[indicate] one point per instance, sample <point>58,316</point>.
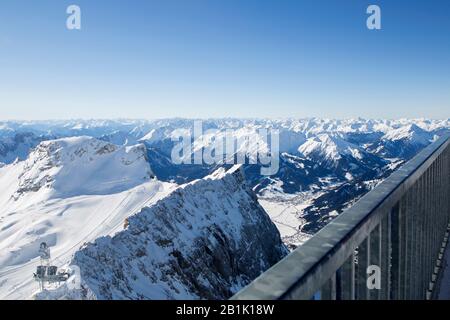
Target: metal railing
<point>401,226</point>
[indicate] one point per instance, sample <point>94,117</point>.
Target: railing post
<point>397,254</point>
<point>328,291</point>
<point>375,258</point>
<point>411,222</point>
<point>402,207</point>
<point>386,257</point>
<point>437,239</point>
<point>431,234</point>
<point>427,222</point>
<point>346,279</point>
<point>417,240</point>
<point>362,292</point>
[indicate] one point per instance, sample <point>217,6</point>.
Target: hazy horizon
<point>20,121</point>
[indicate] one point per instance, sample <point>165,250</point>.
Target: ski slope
<point>51,208</point>
<point>65,225</point>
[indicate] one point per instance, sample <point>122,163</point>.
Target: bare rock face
<point>206,240</point>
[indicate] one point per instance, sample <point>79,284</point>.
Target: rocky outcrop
<point>206,240</point>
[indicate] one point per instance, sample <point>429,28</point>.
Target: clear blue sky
<point>217,58</point>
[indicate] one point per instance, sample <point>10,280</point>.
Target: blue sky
<point>224,58</point>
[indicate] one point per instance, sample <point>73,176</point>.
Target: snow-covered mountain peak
<point>331,147</point>
<point>411,132</point>
<point>82,166</point>
<point>346,159</point>
<point>69,149</point>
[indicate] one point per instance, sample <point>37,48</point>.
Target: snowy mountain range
<point>105,194</point>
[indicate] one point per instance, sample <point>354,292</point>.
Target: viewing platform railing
<point>398,232</point>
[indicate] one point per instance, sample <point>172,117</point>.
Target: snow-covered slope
<point>206,240</point>
<point>68,192</point>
